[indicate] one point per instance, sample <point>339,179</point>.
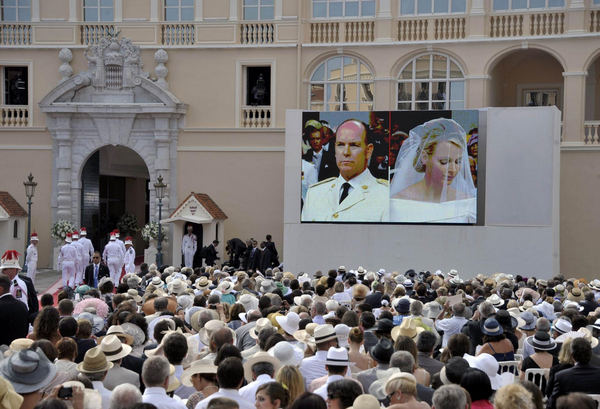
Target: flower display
<point>150,232</point>
<point>128,223</point>
<point>61,228</point>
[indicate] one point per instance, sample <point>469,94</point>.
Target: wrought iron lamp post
<point>160,194</point>
<point>29,192</point>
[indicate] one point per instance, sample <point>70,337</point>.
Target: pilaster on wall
<point>384,26</point>
<point>476,91</point>
<point>573,106</point>
<point>577,18</point>
<point>477,21</point>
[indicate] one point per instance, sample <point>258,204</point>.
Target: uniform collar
<point>355,182</point>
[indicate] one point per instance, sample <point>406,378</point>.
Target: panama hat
<point>407,328</point>
<point>338,357</point>
<point>378,388</point>
<point>526,305</point>
<point>260,356</point>
<point>203,283</point>
<point>113,348</point>
<point>541,340</point>
<point>575,295</point>
<point>495,300</point>
<point>287,354</point>
<point>134,294</point>
<point>323,332</point>
<point>267,286</point>
<point>28,371</point>
<point>17,345</point>
<point>206,332</point>
<point>491,327</point>
<point>94,361</point>
<point>176,286</point>
<point>119,332</point>
<point>260,324</point>
<point>432,310</point>
<point>365,401</point>
<point>157,282</point>
<point>562,326</point>
<point>289,323</point>
<point>201,366</point>
<point>305,334</point>
<point>225,287</point>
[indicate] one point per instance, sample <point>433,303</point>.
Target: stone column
<point>62,134</point>
<point>477,25</point>
<point>384,94</point>
<point>384,25</point>
<point>199,10</point>
<point>476,91</point>
<point>162,167</point>
<point>577,21</point>
<point>573,107</point>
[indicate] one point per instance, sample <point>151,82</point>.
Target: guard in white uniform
<point>129,255</point>
<point>123,249</point>
<point>81,261</point>
<point>18,288</point>
<point>189,245</point>
<point>88,247</point>
<point>31,257</point>
<point>113,255</point>
<point>66,259</point>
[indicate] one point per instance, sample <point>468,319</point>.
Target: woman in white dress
<point>432,181</point>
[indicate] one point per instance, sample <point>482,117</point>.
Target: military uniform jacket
<point>367,202</point>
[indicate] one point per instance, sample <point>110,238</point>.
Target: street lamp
<point>160,194</point>
<point>29,191</point>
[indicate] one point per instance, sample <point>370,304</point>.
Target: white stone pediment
<point>192,209</point>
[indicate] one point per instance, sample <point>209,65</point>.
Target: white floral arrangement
<point>61,228</point>
<point>150,232</point>
<point>128,223</point>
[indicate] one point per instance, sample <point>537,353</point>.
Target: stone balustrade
<point>591,133</point>
<point>92,33</point>
<point>256,117</point>
<point>178,34</point>
<point>15,34</point>
<point>14,116</point>
<point>257,33</point>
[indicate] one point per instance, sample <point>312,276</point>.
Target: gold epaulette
<point>383,182</point>
<point>322,182</point>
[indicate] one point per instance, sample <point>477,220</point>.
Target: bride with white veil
<point>432,180</point>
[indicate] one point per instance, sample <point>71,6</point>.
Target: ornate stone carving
<point>65,70</point>
<point>113,64</point>
<point>161,70</point>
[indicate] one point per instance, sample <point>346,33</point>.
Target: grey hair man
<point>406,363</point>
<point>451,325</point>
<point>125,396</point>
<point>449,397</point>
<point>155,374</point>
<point>243,339</point>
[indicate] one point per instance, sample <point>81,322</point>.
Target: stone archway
<point>112,103</point>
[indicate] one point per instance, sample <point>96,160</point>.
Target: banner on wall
<point>390,167</point>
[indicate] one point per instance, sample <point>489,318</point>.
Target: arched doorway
<point>114,182</point>
<point>531,77</point>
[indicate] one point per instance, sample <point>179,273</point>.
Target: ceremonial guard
<point>31,257</point>
<point>81,260</point>
<point>129,256</point>
<point>67,259</point>
<point>88,247</point>
<point>113,256</point>
<point>123,249</point>
<point>189,246</point>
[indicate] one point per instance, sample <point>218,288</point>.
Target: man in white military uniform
<point>87,246</point>
<point>189,245</point>
<point>31,258</point>
<point>129,255</point>
<point>66,259</point>
<point>355,195</point>
<point>81,261</point>
<point>113,255</point>
<point>123,249</point>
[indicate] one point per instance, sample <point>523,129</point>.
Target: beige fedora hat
<point>260,356</point>
<point>119,332</point>
<point>200,366</point>
<point>260,324</point>
<point>113,348</point>
<point>94,361</point>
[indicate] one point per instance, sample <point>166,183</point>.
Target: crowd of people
<point>210,338</point>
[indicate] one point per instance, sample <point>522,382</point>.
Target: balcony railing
<point>257,33</point>
<point>527,24</point>
<point>412,30</point>
<point>595,21</point>
<point>14,116</point>
<point>178,34</point>
<point>591,133</point>
<point>360,31</point>
<point>92,33</point>
<point>324,32</point>
<point>15,34</point>
<point>256,117</point>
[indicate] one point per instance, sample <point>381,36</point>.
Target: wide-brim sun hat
<point>201,366</point>
<point>489,365</point>
<point>260,356</point>
<point>495,300</point>
<point>289,323</point>
<point>28,371</point>
<point>287,354</point>
<point>408,328</point>
<point>491,327</point>
<point>119,331</point>
<point>135,332</point>
<point>529,321</point>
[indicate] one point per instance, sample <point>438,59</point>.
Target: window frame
<point>358,81</point>
<point>99,8</point>
<point>29,65</point>
<point>179,7</point>
<point>343,2</point>
<point>416,8</point>
<point>259,6</point>
<point>430,80</point>
<point>16,229</point>
<point>241,82</point>
<point>16,7</point>
<point>546,7</point>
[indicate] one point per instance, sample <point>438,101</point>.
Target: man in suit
<point>211,253</point>
<point>236,249</point>
<point>95,271</point>
<point>21,286</point>
<point>374,299</point>
<point>355,195</point>
<point>367,322</point>
<point>323,159</point>
<point>254,260</point>
<point>13,314</point>
<point>583,377</point>
<point>425,343</point>
<point>381,353</point>
<point>273,250</point>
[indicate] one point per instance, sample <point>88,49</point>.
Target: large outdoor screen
<point>390,167</point>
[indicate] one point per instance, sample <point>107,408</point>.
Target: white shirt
<point>355,183</point>
<point>113,250</point>
<point>322,391</point>
<point>32,254</point>
<point>183,391</point>
<point>248,392</point>
<point>88,247</point>
<point>313,367</point>
<point>189,244</point>
<point>105,393</point>
<point>225,393</point>
<point>129,260</point>
<point>67,253</point>
<point>450,326</point>
<point>158,397</point>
